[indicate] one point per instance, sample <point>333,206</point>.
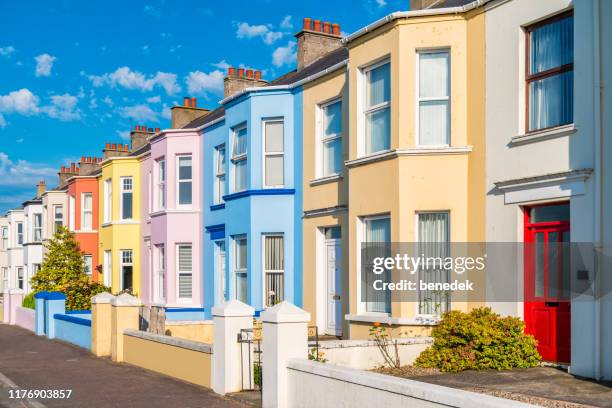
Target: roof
<point>327,61</point>
<point>142,150</point>
<point>449,3</point>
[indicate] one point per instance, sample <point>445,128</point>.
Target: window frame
<point>265,271</point>
<point>108,200</point>
<point>419,100</point>
<point>122,263</point>
<point>220,173</point>
<point>19,235</point>
<point>160,273</point>
<point>362,234</point>
<point>240,158</point>
<point>55,219</point>
<point>85,211</point>
<point>180,299</point>
<point>364,110</point>
<point>244,270</point>
<point>37,228</point>
<point>266,154</point>
<point>90,257</point>
<point>179,180</point>
<point>529,78</point>
<point>322,137</point>
<point>4,236</point>
<point>20,279</point>
<point>107,268</point>
<point>123,191</point>
<point>160,184</point>
<point>72,212</point>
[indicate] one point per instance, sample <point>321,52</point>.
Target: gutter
<point>414,13</point>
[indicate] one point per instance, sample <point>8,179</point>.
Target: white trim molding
<point>421,151</point>
<point>324,211</point>
<point>544,187</point>
<point>532,137</point>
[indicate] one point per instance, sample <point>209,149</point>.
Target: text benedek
<point>405,284</point>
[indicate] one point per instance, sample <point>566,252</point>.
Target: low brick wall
<point>73,329</point>
<point>25,317</point>
<point>187,360</point>
<point>201,331</point>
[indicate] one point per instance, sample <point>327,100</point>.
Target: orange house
<point>83,209</point>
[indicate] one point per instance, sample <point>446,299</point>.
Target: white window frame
<point>108,268</point>
<point>266,154</point>
<point>85,265</point>
<point>237,270</point>
<point>19,236</point>
<point>243,157</point>
<point>364,111</point>
<point>108,200</point>
<point>124,191</point>
<point>417,115</point>
<point>322,138</point>
<point>222,289</point>
<point>160,184</point>
<point>179,180</point>
<point>180,299</point>
<point>37,229</point>
<point>220,173</point>
<point>72,213</point>
<point>4,238</point>
<point>160,271</point>
<point>122,263</point>
<point>85,211</point>
<point>266,271</point>
<point>20,280</point>
<point>55,219</point>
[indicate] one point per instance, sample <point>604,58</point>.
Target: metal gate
<point>250,359</point>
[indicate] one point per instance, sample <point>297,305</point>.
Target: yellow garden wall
<point>197,331</point>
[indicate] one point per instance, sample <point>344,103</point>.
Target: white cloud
<point>201,82</point>
<point>286,23</point>
<point>245,30</point>
<point>128,79</point>
<point>22,172</point>
<point>166,112</point>
<point>2,121</point>
<point>93,103</point>
<point>22,101</point>
<point>140,112</point>
<point>222,65</point>
<point>381,3</point>
<point>154,99</point>
<point>44,64</point>
<point>152,11</point>
<point>107,100</point>
<point>124,134</point>
<point>284,55</point>
<point>63,107</point>
<point>7,51</point>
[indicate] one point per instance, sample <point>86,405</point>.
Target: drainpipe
<point>599,187</point>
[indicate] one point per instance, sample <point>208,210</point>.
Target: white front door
<point>333,267</point>
<point>220,271</point>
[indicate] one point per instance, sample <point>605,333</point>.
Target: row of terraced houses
<point>457,121</point>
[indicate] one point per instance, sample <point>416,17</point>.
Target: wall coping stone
<point>233,308</point>
<point>285,312</point>
<point>125,300</point>
<point>171,341</point>
<point>72,319</point>
<point>102,298</point>
<point>402,341</point>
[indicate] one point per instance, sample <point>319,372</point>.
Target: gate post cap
<point>233,308</point>
<point>285,312</point>
<point>125,300</point>
<point>103,297</point>
<point>15,291</point>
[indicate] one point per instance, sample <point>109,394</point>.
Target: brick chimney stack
<point>89,165</point>
<point>140,136</point>
<point>65,173</point>
<point>182,115</point>
<point>235,82</point>
<point>41,187</point>
<point>115,150</point>
<point>315,40</point>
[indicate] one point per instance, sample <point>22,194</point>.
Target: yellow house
<point>415,165</point>
<point>119,186</point>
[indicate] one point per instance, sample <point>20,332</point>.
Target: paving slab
<point>37,363</point>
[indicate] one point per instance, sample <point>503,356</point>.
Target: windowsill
<point>327,179</point>
<point>157,213</point>
<point>546,134</point>
<point>89,231</point>
<point>120,222</point>
<point>418,151</point>
<point>384,318</point>
<point>216,207</point>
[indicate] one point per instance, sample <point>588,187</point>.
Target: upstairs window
<point>58,217</point>
<point>184,180</point>
<point>86,211</point>
<point>274,153</point>
<point>108,200</point>
<point>550,73</point>
<point>239,158</point>
<point>4,240</point>
<point>127,198</point>
<point>434,98</point>
<point>71,214</point>
<point>219,174</point>
<point>19,227</point>
<point>160,188</point>
<point>37,230</point>
<point>377,108</point>
<point>331,139</point>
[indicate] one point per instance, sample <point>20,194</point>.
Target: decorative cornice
<point>324,211</point>
<point>421,151</point>
<point>559,177</point>
<point>265,191</point>
<point>542,135</point>
<point>325,180</point>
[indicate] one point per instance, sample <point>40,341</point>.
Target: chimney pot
<point>194,103</point>
<point>231,71</point>
<point>307,23</point>
<point>114,146</point>
<point>326,27</point>
<point>126,147</point>
<point>186,101</point>
<point>249,73</point>
<point>82,158</point>
<point>157,130</point>
<point>72,167</point>
<point>336,29</point>
<point>317,25</point>
<point>108,146</point>
<point>258,75</point>
<point>240,72</point>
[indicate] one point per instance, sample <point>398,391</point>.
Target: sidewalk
<point>37,363</point>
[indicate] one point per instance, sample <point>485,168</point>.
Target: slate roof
<point>450,3</point>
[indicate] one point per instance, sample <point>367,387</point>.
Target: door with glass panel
<point>240,268</point>
<point>377,231</point>
<point>220,271</point>
<point>547,279</point>
<point>433,230</point>
<point>333,274</point>
<point>274,269</point>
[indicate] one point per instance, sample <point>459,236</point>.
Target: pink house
<point>172,223</point>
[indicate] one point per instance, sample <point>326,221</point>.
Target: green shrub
<point>28,301</point>
<point>479,340</point>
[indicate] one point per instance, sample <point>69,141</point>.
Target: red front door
<point>547,263</point>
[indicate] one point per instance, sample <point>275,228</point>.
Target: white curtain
<point>433,233</point>
<point>434,98</point>
<point>239,142</point>
<point>378,127</point>
<point>377,231</point>
<point>274,264</point>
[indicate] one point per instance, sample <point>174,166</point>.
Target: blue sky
<point>77,74</point>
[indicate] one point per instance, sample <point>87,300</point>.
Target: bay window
<point>86,211</point>
<point>20,277</point>
<point>433,98</point>
<point>240,268</point>
<point>185,272</point>
<point>274,269</point>
<point>71,213</point>
<point>433,236</point>
<point>37,229</point>
<point>19,228</point>
<point>4,241</point>
<point>160,189</point>
<point>108,200</point>
<point>184,180</point>
<point>550,73</point>
<point>127,198</point>
<point>58,217</point>
<point>160,287</point>
<point>331,139</point>
<point>377,107</point>
<point>127,269</point>
<point>239,158</point>
<point>219,174</point>
<point>274,156</point>
<point>376,230</point>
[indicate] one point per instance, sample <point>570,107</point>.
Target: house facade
<point>54,205</point>
<point>16,238</point>
<point>33,236</point>
<point>4,253</point>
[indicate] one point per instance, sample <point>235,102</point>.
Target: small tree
<point>63,269</point>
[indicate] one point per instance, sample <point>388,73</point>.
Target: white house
<point>33,223</point>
